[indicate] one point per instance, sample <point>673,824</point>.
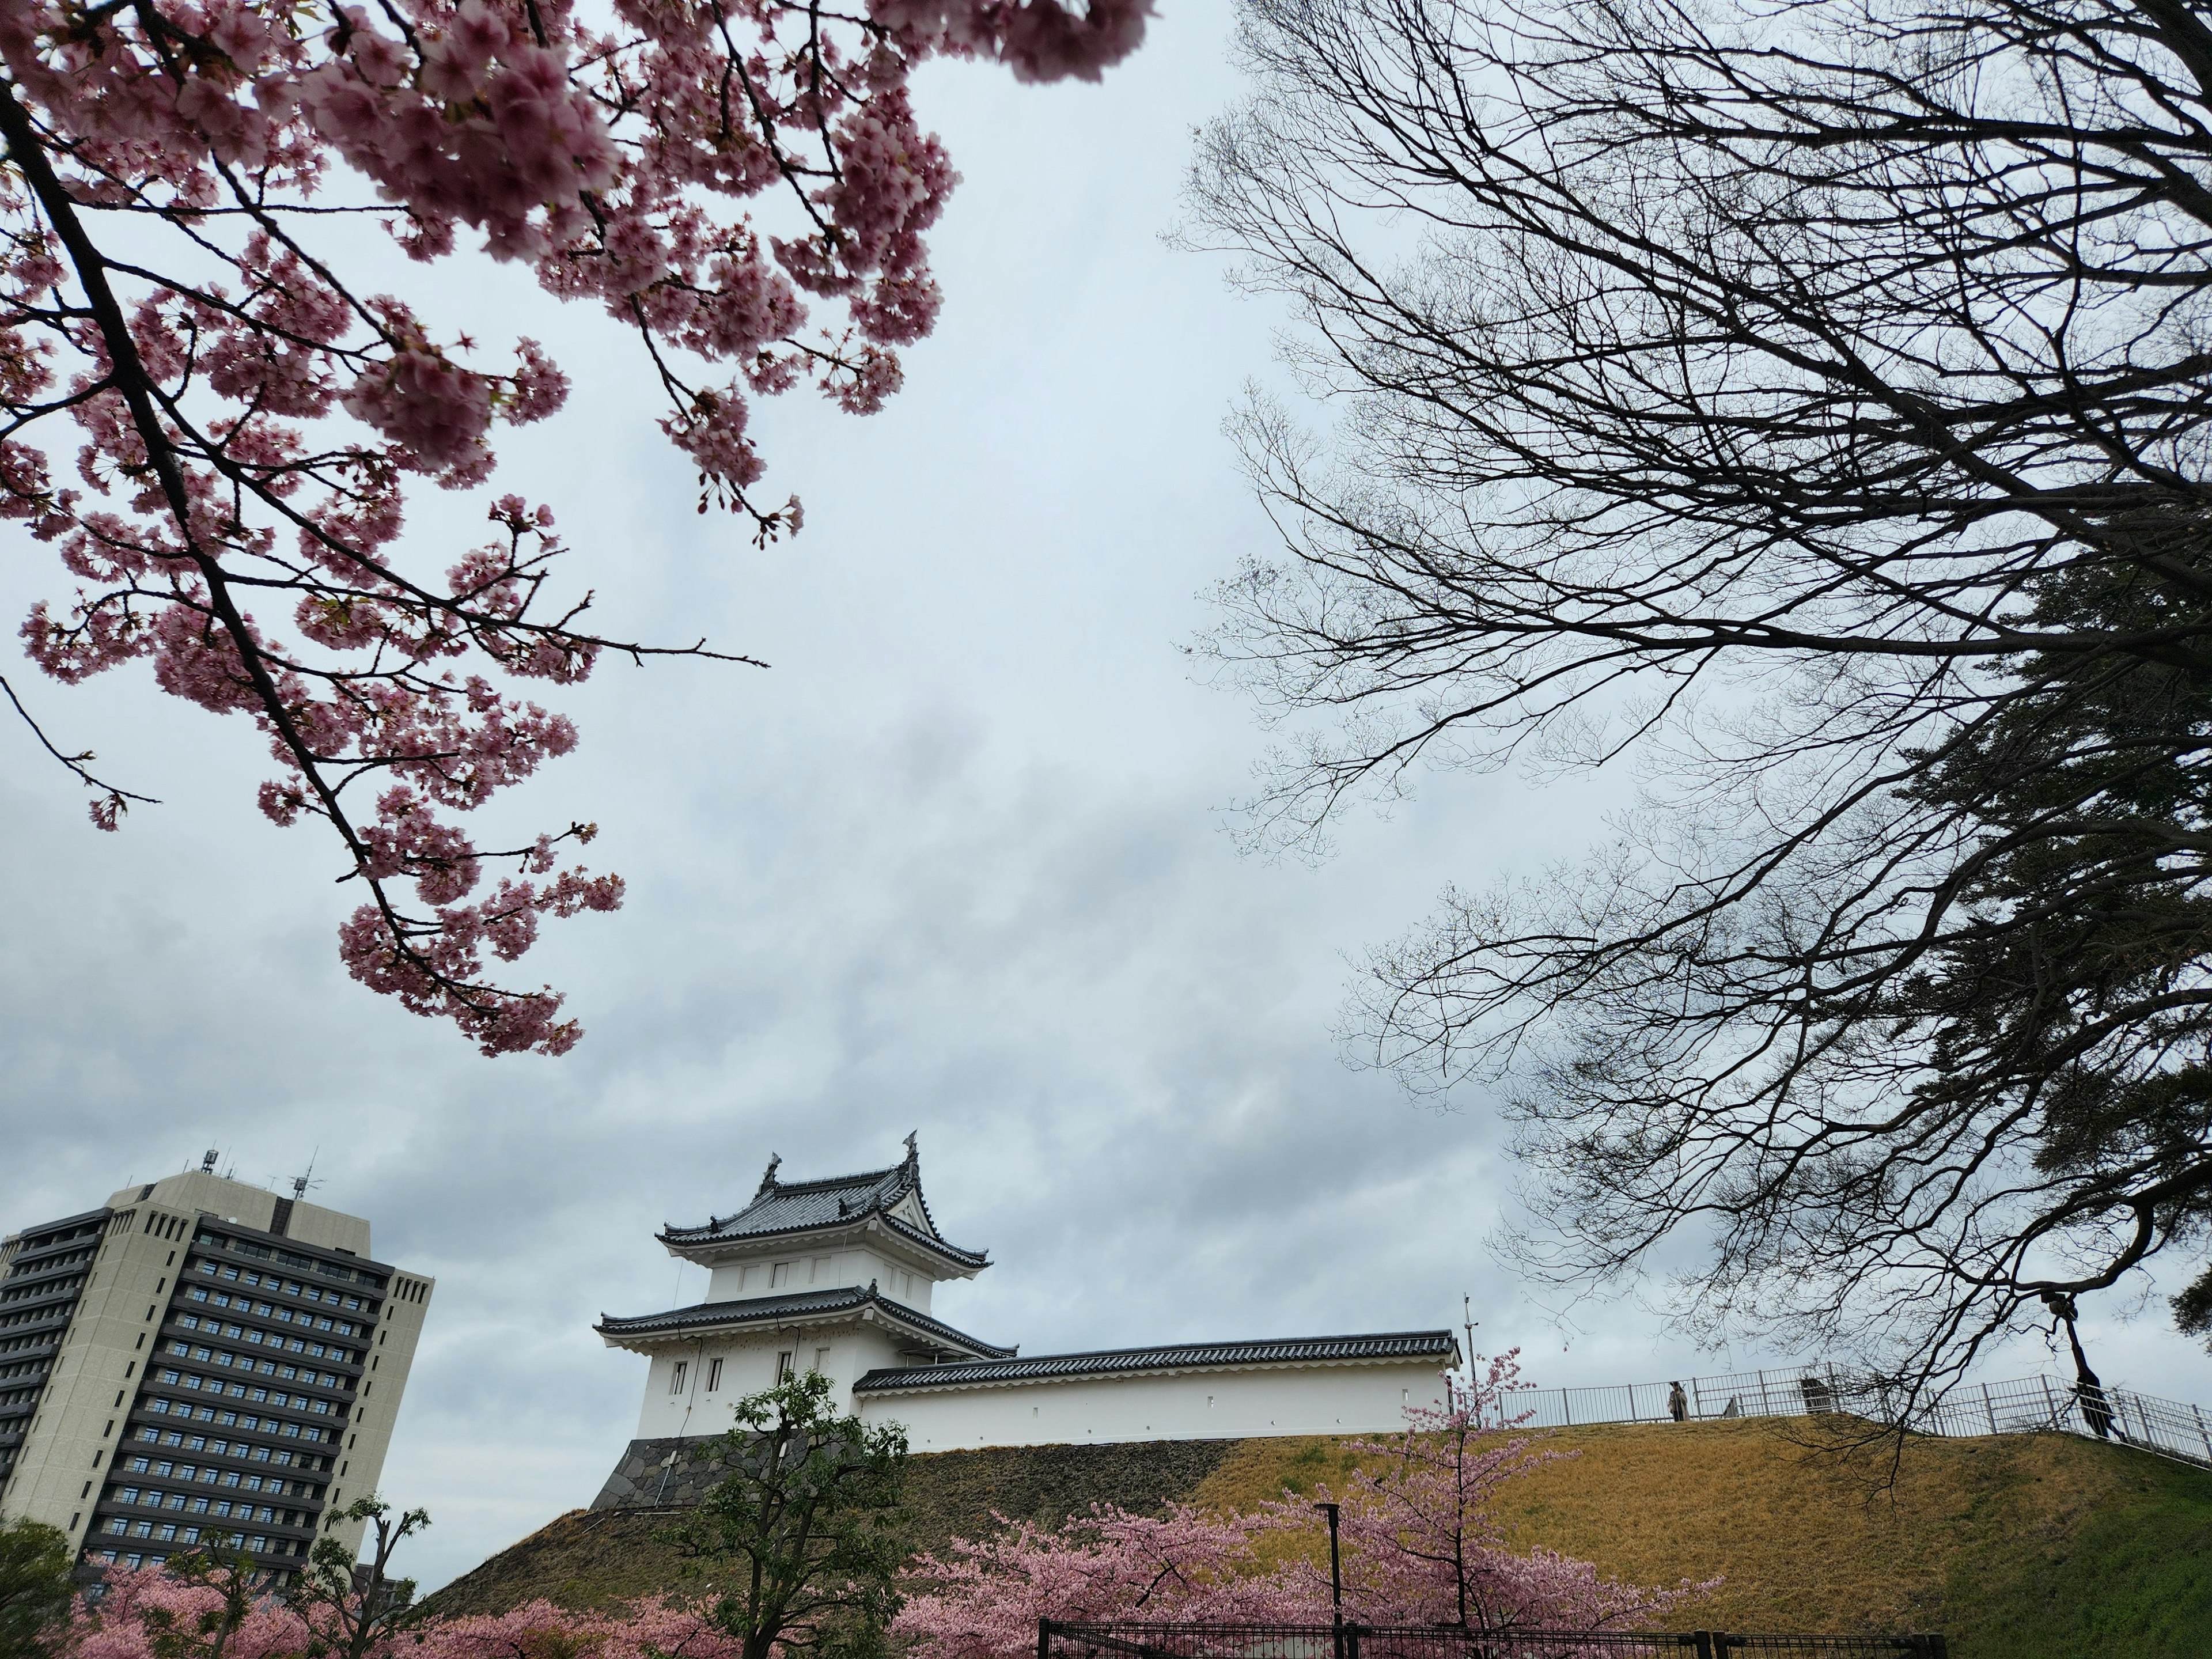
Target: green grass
<point>2132,1576</point>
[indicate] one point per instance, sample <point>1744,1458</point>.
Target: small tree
<point>352,1607</point>
<point>810,1523</point>
<point>1423,1541</point>
<point>35,1590</point>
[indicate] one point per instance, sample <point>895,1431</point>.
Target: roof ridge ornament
<point>913,1153</point>
<point>768,1178</point>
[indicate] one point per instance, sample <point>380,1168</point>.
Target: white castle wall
<point>781,1273</point>
<point>1209,1405</point>
<point>842,1352</point>
<point>1224,1404</point>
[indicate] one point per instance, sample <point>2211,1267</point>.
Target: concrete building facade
<point>837,1276</point>
<point>199,1359</point>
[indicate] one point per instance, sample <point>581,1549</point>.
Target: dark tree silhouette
<point>1807,406</point>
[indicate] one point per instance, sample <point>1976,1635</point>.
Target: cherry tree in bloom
<point>650,1629</point>
<point>215,429</point>
<point>144,1612</point>
<point>149,1612</point>
<point>1423,1541</point>
<point>983,1599</point>
<point>1421,1538</point>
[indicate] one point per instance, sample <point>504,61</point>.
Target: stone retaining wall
<point>670,1474</point>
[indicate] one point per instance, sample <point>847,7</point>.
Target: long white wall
<point>1363,1399</point>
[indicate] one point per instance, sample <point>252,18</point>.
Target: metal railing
<point>2170,1428</point>
<point>1123,1640</point>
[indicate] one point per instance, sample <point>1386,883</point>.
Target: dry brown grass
<point>1802,1540</point>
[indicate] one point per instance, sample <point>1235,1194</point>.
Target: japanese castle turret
<point>837,1276</point>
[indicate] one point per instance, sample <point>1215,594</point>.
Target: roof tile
<point>798,1206</point>
<point>797,1304</point>
<point>1122,1362</point>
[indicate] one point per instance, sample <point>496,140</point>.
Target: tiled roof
<point>796,1306</point>
<point>801,1206</point>
<point>1439,1345</point>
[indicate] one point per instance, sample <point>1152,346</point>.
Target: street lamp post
<point>1335,1581</point>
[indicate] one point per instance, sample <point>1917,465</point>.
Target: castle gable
<point>783,1212</point>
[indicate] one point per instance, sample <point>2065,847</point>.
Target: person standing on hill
<point>1677,1403</point>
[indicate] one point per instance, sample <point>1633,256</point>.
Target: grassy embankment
<point>2016,1548</point>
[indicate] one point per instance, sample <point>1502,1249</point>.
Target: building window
<point>714,1375</point>
<point>675,1378</point>
<point>783,1366</point>
<point>822,1266</point>
<point>822,1361</point>
<point>779,1275</point>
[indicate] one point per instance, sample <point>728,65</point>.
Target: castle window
<point>714,1375</point>
<point>779,1275</point>
<point>783,1366</point>
<point>822,1266</point>
<point>822,1361</point>
<point>675,1378</point>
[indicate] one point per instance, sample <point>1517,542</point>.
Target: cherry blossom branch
<point>197,372</point>
<point>114,801</point>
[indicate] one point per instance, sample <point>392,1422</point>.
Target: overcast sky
<point>957,863</point>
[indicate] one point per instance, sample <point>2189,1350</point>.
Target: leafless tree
<point>1807,406</point>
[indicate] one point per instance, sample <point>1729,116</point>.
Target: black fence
<point>1353,1641</point>
<point>2168,1428</point>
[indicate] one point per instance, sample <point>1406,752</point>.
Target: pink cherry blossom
<point>234,425</point>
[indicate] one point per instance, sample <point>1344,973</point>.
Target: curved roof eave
<point>798,1308</point>
<point>684,1241</point>
<point>1396,1348</point>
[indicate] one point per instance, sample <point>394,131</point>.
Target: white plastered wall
<point>803,1269</point>
<point>1368,1398</point>
<point>748,1367</point>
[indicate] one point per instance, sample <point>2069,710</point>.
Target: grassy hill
<point>2019,1546</point>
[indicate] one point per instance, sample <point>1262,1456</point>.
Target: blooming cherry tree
<point>1423,1544</point>
<point>1423,1540</point>
<point>215,429</point>
<point>983,1599</point>
<point>142,1610</point>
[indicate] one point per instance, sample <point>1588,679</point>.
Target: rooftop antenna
<point>301,1182</point>
<point>207,1160</point>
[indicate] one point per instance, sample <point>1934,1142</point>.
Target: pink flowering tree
<point>983,1598</point>
<point>1422,1539</point>
<point>650,1629</point>
<point>202,1605</point>
<point>216,427</point>
<point>147,1613</point>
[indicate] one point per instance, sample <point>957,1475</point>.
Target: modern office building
<point>199,1358</point>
